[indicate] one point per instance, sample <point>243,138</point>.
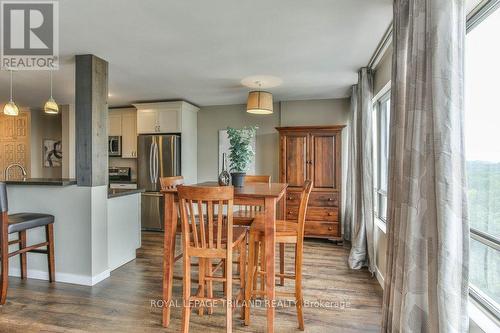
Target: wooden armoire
<point>315,153</point>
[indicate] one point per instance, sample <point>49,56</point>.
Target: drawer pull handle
<point>290,198</point>
<point>330,214</point>
<point>290,212</point>
<point>330,228</point>
<point>330,199</point>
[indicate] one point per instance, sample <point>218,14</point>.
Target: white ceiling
<point>200,50</point>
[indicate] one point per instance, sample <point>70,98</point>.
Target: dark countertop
<point>120,192</point>
<point>42,181</point>
<point>133,181</point>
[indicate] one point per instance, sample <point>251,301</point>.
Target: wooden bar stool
<point>19,223</point>
<point>287,232</point>
<point>245,214</point>
<point>209,236</point>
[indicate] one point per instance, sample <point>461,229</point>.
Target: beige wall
<point>290,113</point>
<point>43,126</point>
<point>211,119</point>
<point>315,112</point>
<point>383,72</point>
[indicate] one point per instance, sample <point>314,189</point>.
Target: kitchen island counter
<point>42,181</point>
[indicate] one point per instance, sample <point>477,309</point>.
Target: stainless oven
<point>115,146</point>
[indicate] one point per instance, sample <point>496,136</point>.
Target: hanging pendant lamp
<point>260,102</point>
<point>11,109</point>
<point>51,106</point>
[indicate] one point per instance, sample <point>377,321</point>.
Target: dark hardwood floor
<point>344,300</point>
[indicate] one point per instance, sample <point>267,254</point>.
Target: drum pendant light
<point>11,109</point>
<point>260,102</point>
<point>51,106</point>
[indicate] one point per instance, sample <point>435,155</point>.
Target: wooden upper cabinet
<point>15,144</point>
<point>296,159</point>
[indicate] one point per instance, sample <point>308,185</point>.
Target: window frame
<point>379,127</point>
<point>474,19</point>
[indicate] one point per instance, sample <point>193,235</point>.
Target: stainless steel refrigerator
<point>157,156</point>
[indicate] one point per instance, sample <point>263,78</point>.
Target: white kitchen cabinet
<point>123,122</point>
<point>173,117</point>
<point>114,123</point>
<point>129,134</point>
<point>159,117</point>
<point>147,121</point>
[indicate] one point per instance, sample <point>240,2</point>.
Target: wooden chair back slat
<point>202,225</point>
<point>250,179</point>
<point>199,230</point>
<point>304,200</point>
<point>171,183</point>
<point>210,218</point>
<point>220,207</point>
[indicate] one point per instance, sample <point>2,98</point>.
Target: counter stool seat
<point>19,223</point>
<point>24,221</point>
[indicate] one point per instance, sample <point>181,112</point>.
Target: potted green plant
<point>240,152</point>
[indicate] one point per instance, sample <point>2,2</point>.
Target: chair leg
<point>262,267</point>
<point>298,287</point>
<point>256,255</point>
<point>210,290</point>
<point>49,231</point>
<point>242,266</point>
<point>282,264</point>
<point>250,279</point>
<point>186,306</point>
<point>224,284</point>
<point>23,257</point>
<point>201,282</point>
<point>4,279</point>
<point>229,290</point>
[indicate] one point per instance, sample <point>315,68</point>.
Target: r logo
<point>29,31</point>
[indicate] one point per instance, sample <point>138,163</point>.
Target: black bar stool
<point>19,223</point>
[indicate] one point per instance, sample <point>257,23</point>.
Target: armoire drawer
<point>322,229</point>
<point>316,199</point>
<point>314,214</point>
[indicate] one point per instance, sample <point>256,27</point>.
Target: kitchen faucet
<point>14,165</point>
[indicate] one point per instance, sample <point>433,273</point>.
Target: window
<point>482,138</point>
<point>381,153</point>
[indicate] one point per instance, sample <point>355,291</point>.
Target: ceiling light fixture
<point>11,109</point>
<point>51,106</point>
<point>260,102</point>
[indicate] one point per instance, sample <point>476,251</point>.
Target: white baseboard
<point>63,277</point>
<point>380,277</point>
<point>100,277</point>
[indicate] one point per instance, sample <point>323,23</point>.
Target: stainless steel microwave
<point>115,146</point>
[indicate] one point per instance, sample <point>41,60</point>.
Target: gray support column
<point>91,115</point>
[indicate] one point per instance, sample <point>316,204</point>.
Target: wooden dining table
<point>252,194</point>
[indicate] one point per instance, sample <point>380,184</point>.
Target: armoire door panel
<point>323,164</point>
<point>296,160</point>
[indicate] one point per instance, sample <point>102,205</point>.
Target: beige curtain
<point>426,283</point>
<point>359,210</point>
